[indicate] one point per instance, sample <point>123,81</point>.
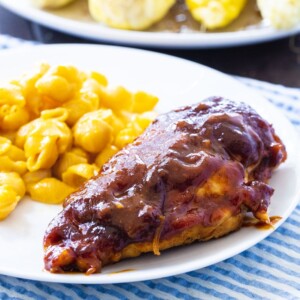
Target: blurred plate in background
<point>75,19</point>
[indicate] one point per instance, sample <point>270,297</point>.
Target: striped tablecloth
<point>269,270</point>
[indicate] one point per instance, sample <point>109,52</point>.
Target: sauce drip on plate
<point>249,221</point>
<point>122,271</point>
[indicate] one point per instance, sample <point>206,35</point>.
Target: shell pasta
<point>58,126</point>
<point>12,189</point>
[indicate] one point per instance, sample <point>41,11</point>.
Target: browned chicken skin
<point>191,176</point>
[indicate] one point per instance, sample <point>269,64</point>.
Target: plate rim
<point>170,272</point>
<point>147,39</point>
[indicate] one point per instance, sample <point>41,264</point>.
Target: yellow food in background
<point>282,14</point>
<point>58,126</point>
<point>129,14</point>
<point>214,14</point>
<point>51,3</point>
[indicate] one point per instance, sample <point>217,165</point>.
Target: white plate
<point>97,32</point>
<point>177,82</point>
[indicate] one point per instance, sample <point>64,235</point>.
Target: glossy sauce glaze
<point>194,167</point>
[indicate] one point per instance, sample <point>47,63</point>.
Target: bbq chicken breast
<point>191,176</point>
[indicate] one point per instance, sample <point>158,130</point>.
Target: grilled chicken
<point>191,176</point>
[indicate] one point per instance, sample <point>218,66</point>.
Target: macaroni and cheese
<point>58,126</point>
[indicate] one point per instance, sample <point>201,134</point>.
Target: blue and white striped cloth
<point>269,270</point>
